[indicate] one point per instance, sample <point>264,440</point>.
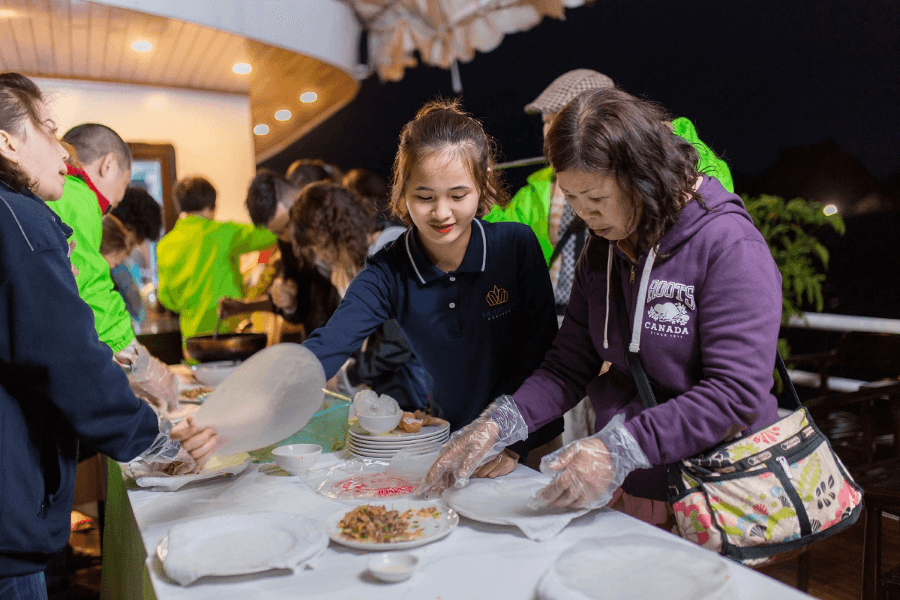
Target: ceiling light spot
<point>307,97</point>
<point>241,68</point>
<point>283,114</point>
<point>142,46</point>
<point>829,210</point>
<point>261,129</point>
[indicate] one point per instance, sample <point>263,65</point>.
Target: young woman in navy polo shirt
<point>474,299</point>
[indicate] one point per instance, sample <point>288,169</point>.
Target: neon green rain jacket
<point>531,204</point>
<point>78,208</point>
<point>199,263</point>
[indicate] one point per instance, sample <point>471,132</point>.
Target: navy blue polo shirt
<point>479,331</point>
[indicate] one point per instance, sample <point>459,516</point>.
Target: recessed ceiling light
<point>142,46</point>
<point>241,68</point>
<point>261,129</point>
<point>8,13</point>
<point>308,97</point>
<point>283,114</point>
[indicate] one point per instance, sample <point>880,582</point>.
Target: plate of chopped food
<point>391,525</point>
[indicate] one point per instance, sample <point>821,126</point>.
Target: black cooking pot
<point>227,346</point>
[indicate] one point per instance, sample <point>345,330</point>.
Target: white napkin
<point>508,500</point>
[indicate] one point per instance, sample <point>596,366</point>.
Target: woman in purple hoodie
<point>702,308</point>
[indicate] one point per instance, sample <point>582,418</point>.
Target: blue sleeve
<point>538,306</point>
<point>364,307</point>
<point>54,340</point>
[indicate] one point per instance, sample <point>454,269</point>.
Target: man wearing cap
<point>542,206</point>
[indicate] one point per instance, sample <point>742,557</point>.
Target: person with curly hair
<point>473,299</point>
<point>340,227</point>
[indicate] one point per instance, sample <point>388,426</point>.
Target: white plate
<point>438,439</point>
<point>395,448</point>
<point>433,528</point>
<point>388,456</point>
<point>500,501</point>
<point>605,568</point>
<point>440,435</point>
<point>214,373</point>
<point>424,433</point>
<point>229,467</point>
<point>239,544</point>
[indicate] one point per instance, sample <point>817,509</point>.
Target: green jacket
<point>531,204</point>
<point>79,210</point>
<point>199,263</point>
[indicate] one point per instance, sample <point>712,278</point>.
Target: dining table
<point>475,560</point>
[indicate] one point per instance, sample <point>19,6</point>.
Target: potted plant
<point>789,229</point>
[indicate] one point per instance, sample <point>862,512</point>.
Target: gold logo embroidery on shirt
<point>497,296</point>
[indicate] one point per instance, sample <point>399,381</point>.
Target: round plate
<point>500,501</point>
<point>396,443</point>
<point>425,432</point>
<point>393,447</point>
<point>592,570</point>
<point>390,454</point>
<point>432,528</point>
<point>239,544</point>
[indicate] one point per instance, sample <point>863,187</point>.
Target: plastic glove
<point>150,374</point>
<point>185,442</point>
<point>502,464</point>
<point>587,471</point>
<point>498,426</point>
<point>283,294</point>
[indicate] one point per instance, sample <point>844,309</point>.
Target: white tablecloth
<point>475,561</point>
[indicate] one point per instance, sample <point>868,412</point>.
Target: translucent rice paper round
<point>269,397</point>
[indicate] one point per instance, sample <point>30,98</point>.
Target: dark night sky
<point>755,77</point>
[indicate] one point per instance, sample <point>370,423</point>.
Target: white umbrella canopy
<point>444,32</point>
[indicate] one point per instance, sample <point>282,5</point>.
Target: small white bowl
<point>392,566</point>
<point>378,425</point>
<point>214,373</point>
<point>297,459</point>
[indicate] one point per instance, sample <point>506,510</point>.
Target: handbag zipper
<point>784,465</point>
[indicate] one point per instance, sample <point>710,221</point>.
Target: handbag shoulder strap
<point>633,359</point>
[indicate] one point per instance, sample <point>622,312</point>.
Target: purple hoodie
<point>706,325</point>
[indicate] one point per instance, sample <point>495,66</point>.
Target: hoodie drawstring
<point>635,345</point>
<point>608,274</point>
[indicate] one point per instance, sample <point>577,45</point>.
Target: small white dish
<point>392,566</point>
<point>380,424</point>
<point>297,459</point>
<point>214,373</point>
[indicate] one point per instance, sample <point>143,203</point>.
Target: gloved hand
<point>498,426</point>
<point>502,464</point>
<point>150,374</point>
<point>184,442</point>
<point>586,472</point>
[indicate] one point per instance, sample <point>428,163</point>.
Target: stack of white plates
<point>429,438</point>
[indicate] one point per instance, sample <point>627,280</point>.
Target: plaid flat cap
<point>565,87</point>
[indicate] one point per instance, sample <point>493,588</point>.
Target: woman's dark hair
<point>116,236</point>
<point>611,132</point>
<point>331,216</point>
<point>141,213</point>
<point>194,194</point>
<point>309,170</point>
<point>262,196</point>
<point>20,99</point>
<point>439,126</point>
<point>373,188</point>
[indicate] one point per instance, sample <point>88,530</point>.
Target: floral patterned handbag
<point>758,496</point>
